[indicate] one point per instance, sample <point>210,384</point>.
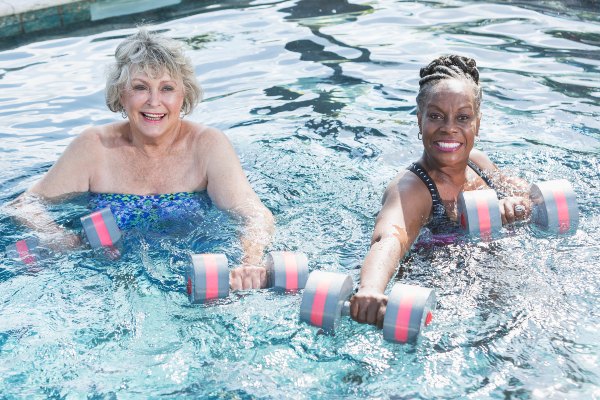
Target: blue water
<point>318,100</point>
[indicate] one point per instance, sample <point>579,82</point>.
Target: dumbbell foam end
<point>555,206</point>
<point>409,310</point>
<point>287,270</point>
<point>25,250</point>
<point>100,228</point>
<point>207,277</point>
<point>324,297</point>
<point>479,213</point>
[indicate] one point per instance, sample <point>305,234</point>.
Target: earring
<point>419,135</point>
<point>124,114</point>
<point>477,139</point>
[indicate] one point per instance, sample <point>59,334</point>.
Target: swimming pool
<point>318,99</point>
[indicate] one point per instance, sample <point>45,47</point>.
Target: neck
<point>455,174</point>
<point>154,147</point>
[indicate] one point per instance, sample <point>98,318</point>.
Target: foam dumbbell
<point>207,276</point>
<point>554,208</point>
<point>326,299</point>
<point>99,228</point>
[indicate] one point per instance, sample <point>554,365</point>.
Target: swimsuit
<point>440,228</point>
<point>132,210</point>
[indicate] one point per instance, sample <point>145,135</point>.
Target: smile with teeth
<point>153,117</point>
<point>447,146</point>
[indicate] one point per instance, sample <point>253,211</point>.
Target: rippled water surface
<point>318,99</point>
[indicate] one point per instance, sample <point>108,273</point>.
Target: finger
<point>381,316</point>
<point>362,313</point>
<point>509,212</point>
<point>235,282</point>
<point>372,313</point>
<point>263,278</point>
<point>353,308</point>
<point>519,211</point>
<point>255,277</point>
<point>246,281</point>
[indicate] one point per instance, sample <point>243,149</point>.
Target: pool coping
<point>25,17</point>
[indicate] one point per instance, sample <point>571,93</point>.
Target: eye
<point>168,88</point>
<point>435,116</point>
<point>139,87</point>
<point>464,117</point>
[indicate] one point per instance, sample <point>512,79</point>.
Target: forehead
<point>147,72</point>
<point>448,91</point>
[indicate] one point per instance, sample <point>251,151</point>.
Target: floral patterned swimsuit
<point>132,210</point>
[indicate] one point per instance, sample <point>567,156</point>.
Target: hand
<point>247,277</point>
<point>368,306</point>
<point>514,209</point>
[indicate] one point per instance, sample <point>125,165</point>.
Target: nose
<point>153,98</point>
<point>450,126</point>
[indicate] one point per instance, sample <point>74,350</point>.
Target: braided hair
<point>448,67</point>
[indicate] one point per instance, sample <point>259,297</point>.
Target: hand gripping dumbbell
<point>100,229</point>
<point>327,294</point>
<point>554,208</point>
<point>207,276</point>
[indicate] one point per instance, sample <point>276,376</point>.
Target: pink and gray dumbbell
<point>207,276</point>
<point>326,299</point>
<point>554,209</point>
<point>100,229</point>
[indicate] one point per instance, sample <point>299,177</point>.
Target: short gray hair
<point>153,54</point>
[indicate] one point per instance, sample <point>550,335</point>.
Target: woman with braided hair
<point>425,194</point>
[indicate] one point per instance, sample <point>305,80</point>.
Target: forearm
<point>256,235</point>
<point>380,264</point>
<point>29,211</point>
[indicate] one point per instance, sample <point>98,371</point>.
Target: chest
<point>129,172</point>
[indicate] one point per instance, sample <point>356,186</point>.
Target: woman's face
<point>449,121</point>
<point>153,105</point>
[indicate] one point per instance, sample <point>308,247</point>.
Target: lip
<point>153,118</point>
<point>447,146</point>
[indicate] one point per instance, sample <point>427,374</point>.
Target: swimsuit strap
<point>438,209</point>
<point>488,181</point>
<point>437,206</point>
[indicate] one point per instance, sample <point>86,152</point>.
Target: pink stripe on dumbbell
<point>483,214</point>
<point>563,211</point>
<point>23,251</point>
<point>291,271</point>
<point>318,305</point>
<point>101,229</point>
<point>403,319</point>
<point>212,276</point>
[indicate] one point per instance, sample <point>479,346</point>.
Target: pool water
<point>318,100</point>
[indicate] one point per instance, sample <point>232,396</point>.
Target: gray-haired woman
<point>154,155</point>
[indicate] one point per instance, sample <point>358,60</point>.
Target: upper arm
<point>72,171</point>
<point>227,184</point>
<point>406,208</point>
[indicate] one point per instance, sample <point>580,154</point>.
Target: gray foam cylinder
<point>468,212</point>
<point>324,296</point>
<point>202,286</point>
<point>282,265</point>
<point>95,235</point>
<point>555,206</point>
<point>406,312</point>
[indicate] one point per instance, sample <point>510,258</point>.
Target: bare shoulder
<point>482,160</point>
<point>406,185</point>
<point>205,138</point>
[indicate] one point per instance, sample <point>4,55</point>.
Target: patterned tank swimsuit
<point>443,229</point>
<point>131,210</point>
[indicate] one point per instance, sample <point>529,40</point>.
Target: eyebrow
<point>173,82</point>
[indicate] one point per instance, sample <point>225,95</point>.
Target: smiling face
<point>449,122</point>
<point>153,104</point>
